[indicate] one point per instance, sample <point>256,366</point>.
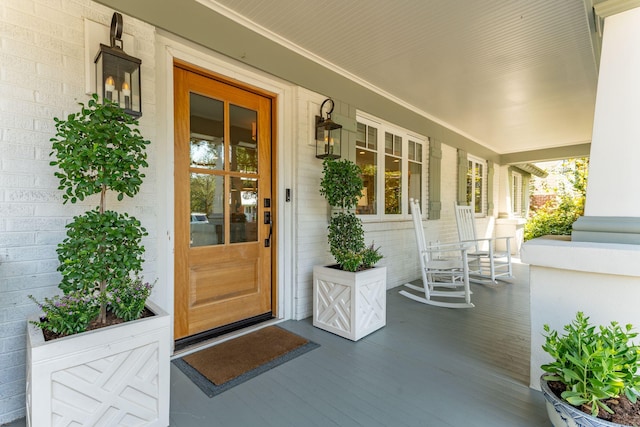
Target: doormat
<point>223,366</point>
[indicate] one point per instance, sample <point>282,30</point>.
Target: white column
<point>612,210</point>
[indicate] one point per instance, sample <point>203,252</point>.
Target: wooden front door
<point>223,214</point>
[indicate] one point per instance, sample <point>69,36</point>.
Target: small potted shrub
<point>349,298</point>
<point>96,150</point>
<point>593,379</point>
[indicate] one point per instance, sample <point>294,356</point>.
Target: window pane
<point>372,138</point>
<point>244,210</point>
<point>388,143</point>
<point>397,146</point>
<point>361,136</point>
<point>392,185</point>
<point>367,161</point>
<point>470,184</point>
<point>415,182</point>
<point>207,209</point>
<point>478,188</point>
<point>207,132</point>
<point>207,152</point>
<point>244,142</point>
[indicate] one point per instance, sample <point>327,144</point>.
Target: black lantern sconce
<point>118,74</point>
<point>328,135</point>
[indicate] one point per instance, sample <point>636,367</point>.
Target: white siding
<point>310,206</point>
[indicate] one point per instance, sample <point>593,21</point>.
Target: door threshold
<point>210,341</point>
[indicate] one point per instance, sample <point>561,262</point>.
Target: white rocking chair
<point>442,278</point>
<point>486,263</point>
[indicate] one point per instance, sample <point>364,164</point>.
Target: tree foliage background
<point>556,217</point>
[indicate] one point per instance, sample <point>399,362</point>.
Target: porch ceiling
<point>518,77</point>
<point>514,76</point>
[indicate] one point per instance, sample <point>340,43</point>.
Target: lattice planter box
<point>351,305</point>
<point>114,376</point>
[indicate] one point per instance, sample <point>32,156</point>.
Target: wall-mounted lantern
<point>328,135</point>
<point>118,74</point>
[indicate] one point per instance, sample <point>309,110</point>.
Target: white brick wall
<point>41,77</point>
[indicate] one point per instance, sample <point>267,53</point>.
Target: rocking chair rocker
<point>486,262</point>
<point>443,276</point>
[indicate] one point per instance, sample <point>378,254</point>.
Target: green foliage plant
<point>370,256</point>
<point>127,302</point>
<point>556,217</point>
<point>99,149</point>
<point>341,185</point>
<point>594,363</point>
<point>68,314</point>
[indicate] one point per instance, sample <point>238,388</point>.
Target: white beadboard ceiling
<point>513,75</point>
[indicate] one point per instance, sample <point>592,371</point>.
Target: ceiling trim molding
<point>546,154</point>
<point>607,8</point>
<point>531,169</point>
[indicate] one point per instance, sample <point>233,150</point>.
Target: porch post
<point>612,210</point>
<point>596,271</point>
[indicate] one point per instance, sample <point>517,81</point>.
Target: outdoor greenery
<point>68,314</point>
<point>594,363</point>
<point>556,217</point>
<point>98,149</point>
<point>341,185</point>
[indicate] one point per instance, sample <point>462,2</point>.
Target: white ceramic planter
<point>561,414</point>
<point>351,305</point>
<point>114,376</point>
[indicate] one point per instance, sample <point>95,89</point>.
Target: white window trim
<point>383,126</point>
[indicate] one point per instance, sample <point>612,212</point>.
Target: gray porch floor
<point>429,366</point>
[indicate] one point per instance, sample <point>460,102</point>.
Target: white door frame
<point>168,48</point>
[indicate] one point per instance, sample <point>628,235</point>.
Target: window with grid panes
<point>399,156</point>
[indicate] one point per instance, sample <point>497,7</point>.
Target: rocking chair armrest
<point>488,239</point>
<point>449,247</point>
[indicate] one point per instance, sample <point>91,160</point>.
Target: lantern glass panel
<point>118,79</point>
<point>328,139</point>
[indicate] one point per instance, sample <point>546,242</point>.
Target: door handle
<point>267,220</point>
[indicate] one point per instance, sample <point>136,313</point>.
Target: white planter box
<point>114,376</point>
<point>348,304</point>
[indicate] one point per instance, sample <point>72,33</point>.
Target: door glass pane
<point>207,209</point>
<point>244,210</point>
<point>244,139</point>
<point>206,132</point>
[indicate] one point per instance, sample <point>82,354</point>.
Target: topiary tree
<point>98,149</point>
<point>341,185</point>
